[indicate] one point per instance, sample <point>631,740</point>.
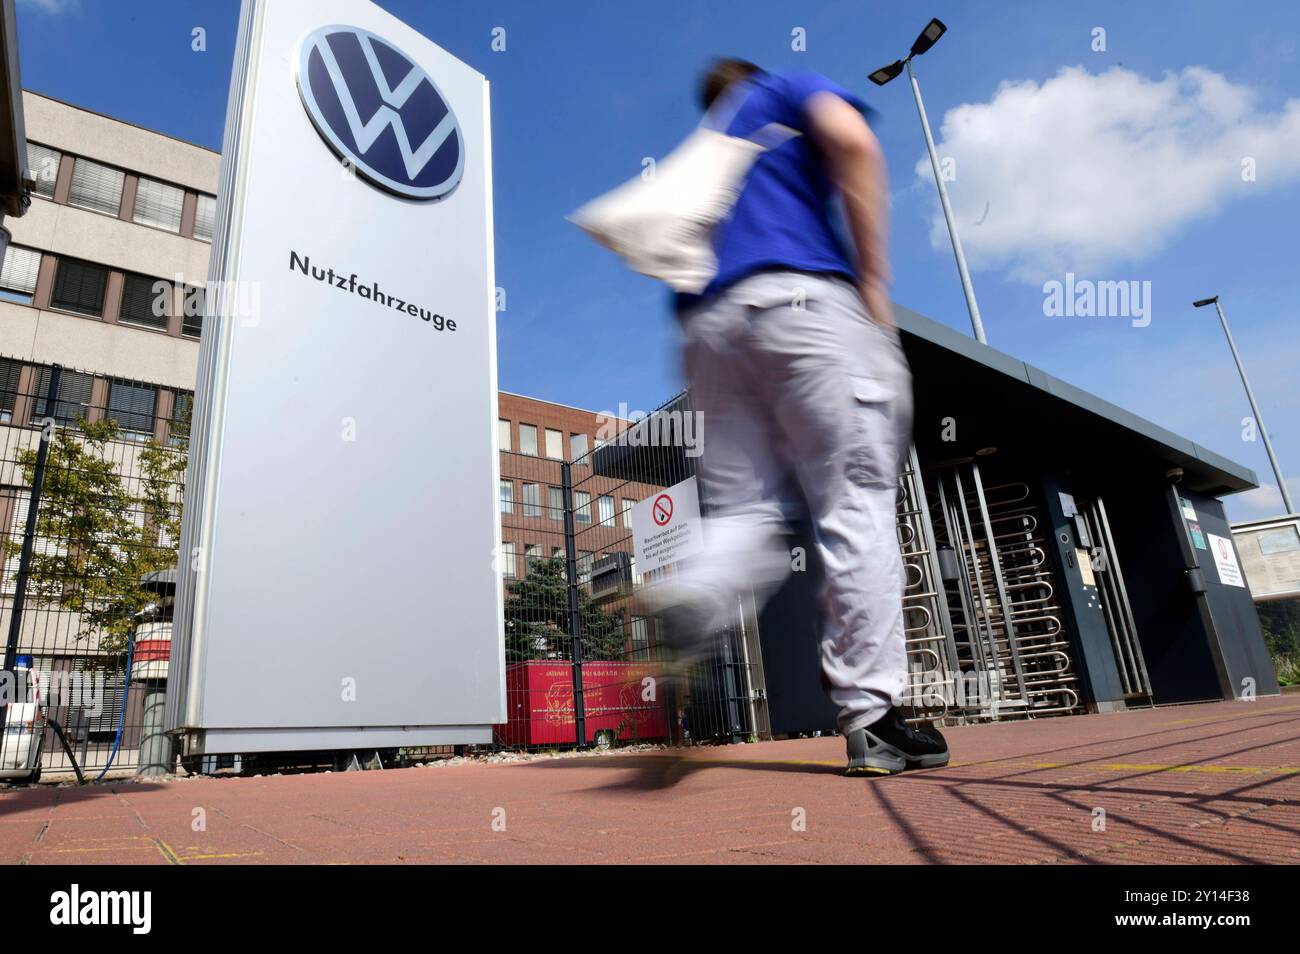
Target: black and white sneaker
<point>889,745</point>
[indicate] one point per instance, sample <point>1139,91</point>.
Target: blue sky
<point>1128,167</point>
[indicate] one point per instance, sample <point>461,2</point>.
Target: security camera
<point>1174,475</point>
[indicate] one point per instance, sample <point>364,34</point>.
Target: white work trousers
<point>793,380</point>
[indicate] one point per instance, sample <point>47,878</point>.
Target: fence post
<point>29,536</point>
<point>575,621</point>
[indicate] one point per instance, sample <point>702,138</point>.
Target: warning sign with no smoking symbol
<point>666,527</point>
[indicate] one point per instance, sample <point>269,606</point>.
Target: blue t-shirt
<point>783,217</point>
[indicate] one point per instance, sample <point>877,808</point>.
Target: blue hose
<point>121,716</point>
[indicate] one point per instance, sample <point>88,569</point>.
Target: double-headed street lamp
<point>929,36</point>
<point>1250,395</point>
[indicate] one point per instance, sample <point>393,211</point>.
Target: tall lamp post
<point>1254,407</point>
<point>929,36</point>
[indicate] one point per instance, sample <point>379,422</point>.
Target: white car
<point>20,751</point>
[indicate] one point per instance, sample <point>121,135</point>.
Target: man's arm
<point>856,165</point>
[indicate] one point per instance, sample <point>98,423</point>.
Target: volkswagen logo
<point>380,112</point>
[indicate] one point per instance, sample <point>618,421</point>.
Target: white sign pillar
<point>339,586</point>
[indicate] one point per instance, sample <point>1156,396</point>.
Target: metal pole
<point>575,618</point>
<point>155,745</point>
<point>29,533</point>
<point>1259,419</point>
<point>967,287</point>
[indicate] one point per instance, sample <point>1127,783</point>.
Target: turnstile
<point>1010,643</point>
<point>1113,595</point>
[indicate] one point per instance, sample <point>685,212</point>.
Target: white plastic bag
<point>663,225</point>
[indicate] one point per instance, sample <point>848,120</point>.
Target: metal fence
<point>583,659</point>
<point>91,485</point>
<point>629,695</point>
<point>91,480</point>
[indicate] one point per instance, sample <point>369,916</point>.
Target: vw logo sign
<point>380,112</point>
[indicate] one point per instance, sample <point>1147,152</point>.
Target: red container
<point>539,699</point>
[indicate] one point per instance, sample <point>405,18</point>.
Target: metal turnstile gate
<point>1009,641</point>
<point>1114,603</point>
<point>931,651</point>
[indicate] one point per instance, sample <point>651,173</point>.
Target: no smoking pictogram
<point>663,509</point>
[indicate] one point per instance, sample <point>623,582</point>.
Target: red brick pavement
<point>1213,783</point>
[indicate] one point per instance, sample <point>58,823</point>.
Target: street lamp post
<point>1254,407</point>
<point>928,37</point>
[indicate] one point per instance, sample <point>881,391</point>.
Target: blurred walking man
<point>795,363</point>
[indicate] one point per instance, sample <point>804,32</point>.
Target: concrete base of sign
<point>291,740</point>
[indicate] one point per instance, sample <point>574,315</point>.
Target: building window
<point>503,435</point>
<point>555,502</point>
<point>9,372</point>
<point>109,716</point>
<point>605,510</point>
<point>640,635</point>
<point>507,496</point>
<point>532,500</point>
<point>96,187</point>
<point>79,287</point>
<point>18,276</point>
<point>528,439</point>
<point>158,204</point>
<point>626,516</point>
<point>44,165</point>
<point>585,560</point>
<point>577,446</point>
<point>532,556</point>
<point>132,406</point>
<point>554,444</point>
<point>508,568</point>
<point>145,301</point>
<point>582,506</point>
<point>73,399</point>
<point>205,217</point>
<point>557,553</point>
<point>182,417</point>
<point>192,307</point>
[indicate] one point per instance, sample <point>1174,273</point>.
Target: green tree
<point>1280,620</point>
<point>537,618</point>
<point>101,531</point>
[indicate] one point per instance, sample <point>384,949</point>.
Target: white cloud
<point>1086,171</point>
<point>1264,501</point>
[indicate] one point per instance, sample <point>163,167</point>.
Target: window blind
<point>9,372</point>
<point>532,500</point>
<point>44,165</point>
<point>159,204</point>
<point>205,217</point>
<point>132,406</point>
<point>79,287</point>
<point>110,711</point>
<point>182,412</point>
<point>528,439</point>
<point>554,444</point>
<point>20,269</point>
<point>140,302</point>
<point>96,187</point>
<point>195,300</point>
<point>74,396</point>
